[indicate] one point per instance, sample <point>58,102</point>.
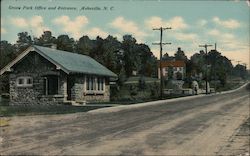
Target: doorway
<point>70,84</point>
<point>50,83</point>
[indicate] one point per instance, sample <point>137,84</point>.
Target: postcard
<point>124,77</point>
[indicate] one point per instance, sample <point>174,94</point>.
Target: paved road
<point>200,126</point>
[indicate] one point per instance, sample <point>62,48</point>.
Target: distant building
<point>43,75</point>
<point>173,69</point>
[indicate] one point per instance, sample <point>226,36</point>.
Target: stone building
<point>42,75</point>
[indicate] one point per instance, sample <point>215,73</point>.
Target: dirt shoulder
<point>239,143</point>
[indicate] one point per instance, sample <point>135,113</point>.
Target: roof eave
<point>77,72</point>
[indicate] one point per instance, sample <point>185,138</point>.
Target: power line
<point>161,29</point>
<point>205,46</point>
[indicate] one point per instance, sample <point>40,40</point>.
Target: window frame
<point>95,85</point>
<point>25,80</point>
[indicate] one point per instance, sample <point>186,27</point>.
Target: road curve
<point>193,126</point>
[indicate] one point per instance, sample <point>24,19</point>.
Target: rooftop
<point>67,61</point>
<point>176,63</point>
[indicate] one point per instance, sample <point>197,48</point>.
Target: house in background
<point>42,75</point>
<point>175,69</point>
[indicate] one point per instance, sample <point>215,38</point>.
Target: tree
<point>65,43</point>
<point>45,38</point>
<point>220,66</point>
<point>180,55</point>
<point>84,45</point>
<point>24,41</point>
<point>7,53</point>
<point>111,53</point>
<point>128,45</point>
<point>146,63</point>
<point>240,71</point>
<point>198,63</point>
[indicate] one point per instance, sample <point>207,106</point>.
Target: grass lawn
<point>42,110</point>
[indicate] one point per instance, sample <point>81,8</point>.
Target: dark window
<point>92,83</point>
<point>20,81</point>
<point>87,83</point>
<point>29,81</point>
<point>98,83</point>
<point>102,84</point>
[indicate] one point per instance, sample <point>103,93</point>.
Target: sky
<point>193,22</point>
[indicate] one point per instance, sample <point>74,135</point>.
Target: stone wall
<point>79,93</point>
<point>99,97</point>
<point>36,67</point>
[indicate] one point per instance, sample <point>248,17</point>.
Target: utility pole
<point>238,62</point>
<point>161,29</point>
<point>205,46</point>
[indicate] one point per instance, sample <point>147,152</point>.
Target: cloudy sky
<point>193,22</point>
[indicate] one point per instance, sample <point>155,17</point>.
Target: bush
<point>133,90</point>
<point>141,83</point>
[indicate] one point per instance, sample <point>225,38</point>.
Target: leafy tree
<point>180,55</point>
<point>145,62</point>
<point>240,71</point>
<point>111,56</point>
<point>220,66</point>
<point>128,45</point>
<point>63,42</point>
<point>45,38</point>
<point>166,57</point>
<point>24,41</point>
<point>84,45</point>
<point>198,63</point>
<point>7,53</point>
<point>141,83</point>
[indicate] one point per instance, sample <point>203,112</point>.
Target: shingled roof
<point>66,61</point>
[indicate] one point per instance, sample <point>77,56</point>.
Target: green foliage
<point>142,83</point>
<point>45,39</point>
<point>39,110</point>
<point>180,55</point>
<point>240,71</point>
<point>24,41</point>
<point>121,77</point>
<point>133,89</point>
<point>125,57</point>
<point>154,90</point>
<point>170,73</point>
<point>65,43</point>
<point>8,52</point>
